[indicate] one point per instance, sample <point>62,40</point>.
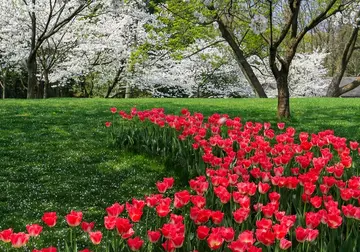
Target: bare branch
<point>348,87</point>
<point>202,49</point>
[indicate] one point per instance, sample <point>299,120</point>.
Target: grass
<point>54,154</point>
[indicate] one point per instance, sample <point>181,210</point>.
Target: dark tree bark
<point>46,84</point>
<point>242,62</point>
<point>115,81</point>
<point>3,85</point>
<point>31,60</point>
<point>283,109</point>
<point>32,80</point>
<point>3,89</point>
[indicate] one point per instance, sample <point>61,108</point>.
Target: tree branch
<point>348,87</point>
<point>202,49</point>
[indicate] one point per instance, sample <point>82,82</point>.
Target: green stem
<point>71,239</point>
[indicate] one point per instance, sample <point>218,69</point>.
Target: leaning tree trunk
<point>242,62</point>
<point>46,84</point>
<point>283,110</point>
<point>32,80</point>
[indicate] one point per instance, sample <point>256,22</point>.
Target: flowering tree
<point>105,43</point>
<point>190,20</point>
<point>307,75</point>
<point>209,73</point>
<point>32,23</point>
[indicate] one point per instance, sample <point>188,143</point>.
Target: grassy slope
<point>54,153</point>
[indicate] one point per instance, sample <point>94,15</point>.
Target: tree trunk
<point>242,62</point>
<point>115,81</point>
<point>46,84</point>
<point>127,91</point>
<point>334,87</point>
<point>283,95</point>
<point>32,80</point>
<point>3,87</point>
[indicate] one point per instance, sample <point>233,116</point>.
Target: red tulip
<point>228,233</point>
<point>178,240</point>
<point>263,188</point>
<point>198,201</point>
<point>281,125</point>
<point>215,241</point>
<point>237,246</point>
<point>266,237</point>
<point>285,244</point>
<point>34,229</point>
<point>19,240</point>
<point>316,201</point>
<point>74,218</point>
<point>113,110</point>
<point>163,209</point>
<point>95,237</point>
<point>5,235</point>
<point>168,246</point>
<point>334,221</point>
<point>247,237</point>
<point>312,219</point>
<point>280,231</point>
<point>241,214</point>
<point>264,223</point>
<point>217,217</point>
<point>110,222</point>
<point>169,182</point>
<point>123,225</point>
<point>107,124</point>
<point>135,244</point>
<point>87,226</point>
<point>49,219</point>
<point>115,209</point>
<point>181,198</point>
<point>153,236</point>
<point>128,234</point>
<point>134,213</point>
<point>162,186</point>
<point>202,232</point>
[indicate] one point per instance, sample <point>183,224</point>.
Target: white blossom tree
<point>29,23</point>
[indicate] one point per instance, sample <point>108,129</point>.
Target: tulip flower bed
<point>256,188</point>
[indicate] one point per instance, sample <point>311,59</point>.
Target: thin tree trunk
<point>115,81</point>
<point>32,80</point>
<point>242,62</point>
<point>283,95</point>
<point>46,84</point>
<point>2,85</point>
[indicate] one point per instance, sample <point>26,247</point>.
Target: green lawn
<point>54,154</point>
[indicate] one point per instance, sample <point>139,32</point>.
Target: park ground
<point>55,154</point>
